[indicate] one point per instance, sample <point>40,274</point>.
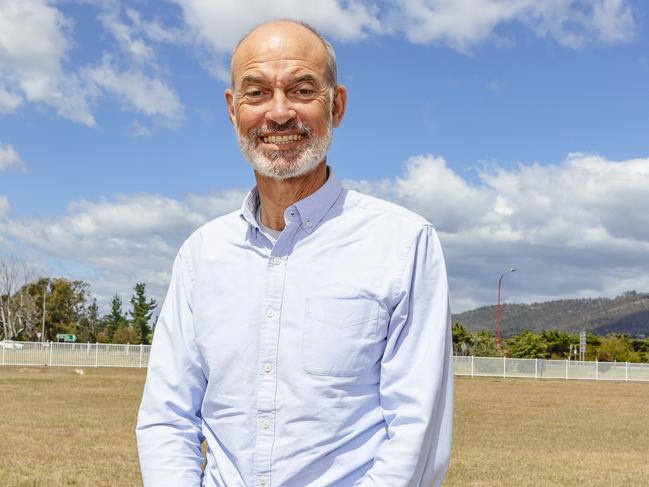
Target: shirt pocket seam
<point>312,335</point>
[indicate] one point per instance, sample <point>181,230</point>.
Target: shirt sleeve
<point>416,384</point>
<point>169,421</point>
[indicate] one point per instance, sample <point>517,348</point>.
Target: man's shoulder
<point>386,211</point>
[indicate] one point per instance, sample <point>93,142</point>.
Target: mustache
<point>270,127</point>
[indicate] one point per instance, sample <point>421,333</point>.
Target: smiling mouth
<point>282,139</point>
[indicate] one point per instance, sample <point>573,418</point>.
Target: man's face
<point>281,106</point>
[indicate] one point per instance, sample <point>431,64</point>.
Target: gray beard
<point>285,164</point>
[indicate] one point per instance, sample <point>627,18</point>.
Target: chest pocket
<point>340,336</point>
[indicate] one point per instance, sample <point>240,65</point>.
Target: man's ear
<point>229,100</point>
<point>339,104</point>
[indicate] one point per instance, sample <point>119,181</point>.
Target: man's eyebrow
<point>305,77</point>
<point>251,79</point>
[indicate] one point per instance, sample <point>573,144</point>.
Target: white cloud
<point>115,243</point>
<point>145,94</point>
<point>34,41</point>
<point>9,102</point>
<point>613,20</point>
<point>137,49</point>
<point>463,24</point>
<point>9,158</point>
<point>5,207</point>
<point>154,29</point>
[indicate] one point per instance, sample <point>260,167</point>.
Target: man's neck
<point>277,195</point>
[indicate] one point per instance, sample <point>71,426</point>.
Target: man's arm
<point>169,422</point>
<point>416,388</point>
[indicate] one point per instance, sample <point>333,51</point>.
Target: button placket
<point>268,350</point>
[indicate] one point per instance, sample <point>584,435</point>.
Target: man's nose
<point>280,110</point>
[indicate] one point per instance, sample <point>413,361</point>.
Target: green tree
<point>65,304</point>
<point>89,324</point>
<point>616,348</point>
<point>141,312</point>
<point>558,343</point>
<point>641,347</point>
<point>125,334</point>
<point>593,342</point>
<point>483,344</point>
<point>527,345</point>
<point>461,339</point>
<point>115,319</point>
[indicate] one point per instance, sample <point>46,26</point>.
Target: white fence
<point>74,354</point>
<point>550,369</point>
<point>109,355</point>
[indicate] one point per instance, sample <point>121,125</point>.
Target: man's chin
<point>282,170</point>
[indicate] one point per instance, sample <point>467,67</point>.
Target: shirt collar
<point>311,210</point>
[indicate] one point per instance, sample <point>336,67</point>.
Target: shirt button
<point>308,224</point>
<point>276,260</point>
<point>270,313</point>
<point>268,367</point>
<point>265,424</point>
<point>262,480</point>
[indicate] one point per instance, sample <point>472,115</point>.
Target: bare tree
<point>18,309</point>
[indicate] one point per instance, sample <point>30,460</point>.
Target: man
<point>306,336</point>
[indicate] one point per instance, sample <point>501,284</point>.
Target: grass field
<point>58,428</point>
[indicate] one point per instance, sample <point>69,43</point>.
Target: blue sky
<point>518,128</point>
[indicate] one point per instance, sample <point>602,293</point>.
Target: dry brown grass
<point>522,432</point>
<point>58,428</point>
<point>61,429</point>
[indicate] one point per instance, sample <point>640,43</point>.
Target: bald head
<point>276,35</point>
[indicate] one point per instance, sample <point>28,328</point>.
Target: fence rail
<point>111,355</point>
<point>74,354</point>
<point>550,369</point>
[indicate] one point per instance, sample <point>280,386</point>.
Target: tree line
<point>550,344</point>
<point>67,307</point>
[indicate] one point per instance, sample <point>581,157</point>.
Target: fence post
<point>51,347</point>
<point>140,355</point>
<point>596,369</point>
<point>471,365</point>
<point>567,362</point>
<point>3,355</point>
<point>96,355</point>
<point>504,367</point>
<point>626,371</point>
<point>536,368</point>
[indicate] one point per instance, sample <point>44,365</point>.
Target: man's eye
<point>304,92</point>
<point>254,93</point>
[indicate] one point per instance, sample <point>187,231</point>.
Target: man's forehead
<point>281,41</point>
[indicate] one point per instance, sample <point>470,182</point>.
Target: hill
<point>627,313</point>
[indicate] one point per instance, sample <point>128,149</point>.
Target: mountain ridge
<point>627,313</point>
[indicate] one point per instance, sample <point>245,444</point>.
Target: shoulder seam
<point>391,208</point>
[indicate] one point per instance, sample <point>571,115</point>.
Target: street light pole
<point>500,281</point>
<point>44,301</point>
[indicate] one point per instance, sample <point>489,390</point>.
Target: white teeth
<point>283,139</point>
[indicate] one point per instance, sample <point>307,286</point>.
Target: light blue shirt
<point>321,360</point>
